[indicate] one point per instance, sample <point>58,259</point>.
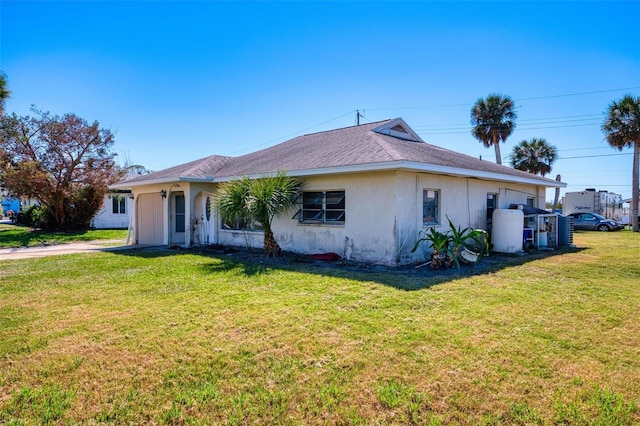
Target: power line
<point>577,94</point>
<point>594,156</point>
<point>435,132</point>
<point>293,134</point>
<point>522,122</point>
<point>467,104</point>
<point>526,124</point>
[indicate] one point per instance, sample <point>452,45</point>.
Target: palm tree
<point>4,92</point>
<point>622,130</point>
<point>262,199</point>
<point>535,156</point>
<point>493,120</point>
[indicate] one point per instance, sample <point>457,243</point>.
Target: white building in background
<point>115,211</point>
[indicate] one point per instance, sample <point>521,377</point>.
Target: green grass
<point>185,338</point>
<point>22,236</point>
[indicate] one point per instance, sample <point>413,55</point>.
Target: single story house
<point>372,187</point>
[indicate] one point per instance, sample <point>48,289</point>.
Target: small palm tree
<point>262,199</point>
<point>622,130</point>
<point>535,156</point>
<point>493,120</point>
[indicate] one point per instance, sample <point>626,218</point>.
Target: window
<point>119,205</point>
<point>179,206</point>
<point>531,201</point>
<point>492,204</point>
<point>207,208</point>
<point>242,225</point>
<point>322,207</point>
<point>430,207</point>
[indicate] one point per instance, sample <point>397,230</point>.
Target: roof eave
<point>456,171</point>
<point>159,181</point>
<point>408,165</point>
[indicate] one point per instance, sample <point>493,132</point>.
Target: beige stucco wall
<point>369,224</point>
<point>463,200</point>
<point>383,213</point>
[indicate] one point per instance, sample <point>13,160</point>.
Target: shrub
<point>37,217</point>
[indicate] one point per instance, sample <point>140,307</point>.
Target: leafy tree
<point>4,92</point>
<point>493,120</point>
<point>535,156</point>
<point>63,162</point>
<point>622,130</point>
<point>262,199</point>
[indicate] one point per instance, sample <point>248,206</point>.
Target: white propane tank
<point>507,230</point>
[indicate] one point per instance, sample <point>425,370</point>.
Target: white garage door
<point>150,220</point>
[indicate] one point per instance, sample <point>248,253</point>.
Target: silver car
<point>594,222</point>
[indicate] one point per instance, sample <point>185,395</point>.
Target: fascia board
<point>455,171</point>
<point>408,165</point>
<point>125,185</point>
<point>356,168</point>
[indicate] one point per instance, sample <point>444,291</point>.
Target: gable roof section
<point>383,145</point>
<point>203,169</point>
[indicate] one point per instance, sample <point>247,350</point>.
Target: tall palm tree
<point>260,199</point>
<point>493,120</point>
<point>622,130</point>
<point>535,156</point>
<point>4,92</point>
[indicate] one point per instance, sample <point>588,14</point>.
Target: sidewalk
<point>58,249</point>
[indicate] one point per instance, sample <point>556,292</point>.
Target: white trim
<point>387,129</point>
<point>355,168</point>
<point>129,185</point>
<point>411,166</point>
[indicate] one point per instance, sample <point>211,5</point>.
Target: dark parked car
<point>594,222</point>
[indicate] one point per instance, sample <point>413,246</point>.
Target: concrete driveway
<point>58,249</point>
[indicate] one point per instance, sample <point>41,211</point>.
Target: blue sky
<point>177,81</point>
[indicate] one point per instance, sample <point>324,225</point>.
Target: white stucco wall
<point>105,218</point>
<point>369,211</point>
<point>383,213</point>
<point>463,200</point>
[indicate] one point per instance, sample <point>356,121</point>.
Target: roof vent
<point>398,129</point>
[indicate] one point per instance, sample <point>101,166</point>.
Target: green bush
<point>37,217</point>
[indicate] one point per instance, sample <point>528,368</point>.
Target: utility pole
<point>358,115</point>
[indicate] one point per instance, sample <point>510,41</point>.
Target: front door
<point>178,225</point>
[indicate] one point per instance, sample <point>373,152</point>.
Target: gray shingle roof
<point>198,169</point>
<point>363,145</point>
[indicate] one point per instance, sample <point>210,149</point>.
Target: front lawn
<point>150,336</point>
<point>22,236</point>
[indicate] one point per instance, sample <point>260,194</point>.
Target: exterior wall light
<point>163,193</point>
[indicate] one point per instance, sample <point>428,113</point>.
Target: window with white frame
<point>327,207</point>
<point>119,205</point>
<point>239,224</point>
<point>430,207</point>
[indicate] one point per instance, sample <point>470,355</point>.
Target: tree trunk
<point>496,146</point>
<point>271,247</point>
<point>635,187</point>
<point>557,197</point>
<point>58,212</point>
